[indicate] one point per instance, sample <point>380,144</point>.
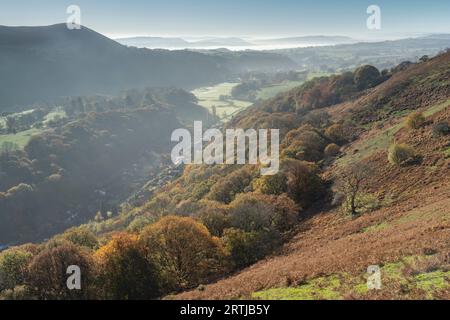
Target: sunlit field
<point>219,96</point>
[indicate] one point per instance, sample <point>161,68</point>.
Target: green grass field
<point>21,138</point>
<point>220,97</point>
<point>57,113</point>
<point>273,90</point>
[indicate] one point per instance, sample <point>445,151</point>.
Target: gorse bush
<point>402,154</point>
<point>336,133</point>
<point>441,129</point>
<point>415,120</point>
<point>247,247</point>
<point>332,150</point>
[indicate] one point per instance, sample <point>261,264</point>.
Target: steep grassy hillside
<point>407,232</point>
<point>408,236</point>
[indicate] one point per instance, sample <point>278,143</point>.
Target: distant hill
<point>221,42</point>
<point>179,43</point>
<point>154,42</point>
<point>40,64</point>
<point>311,40</point>
<point>441,36</point>
<point>384,54</point>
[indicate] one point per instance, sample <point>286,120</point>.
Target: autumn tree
<point>304,184</point>
<point>259,212</point>
<point>124,272</point>
<point>304,143</point>
<point>336,133</point>
<point>185,250</point>
<point>367,77</point>
<point>272,184</point>
<point>214,216</point>
<point>350,183</point>
<point>227,187</point>
<point>47,273</point>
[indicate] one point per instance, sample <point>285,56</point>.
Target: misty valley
<point>223,167</point>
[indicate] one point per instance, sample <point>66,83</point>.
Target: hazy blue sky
<point>252,18</point>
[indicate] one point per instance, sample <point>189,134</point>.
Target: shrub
<point>185,250</point>
<point>363,203</point>
<point>332,150</point>
<point>214,215</point>
<point>415,120</point>
<point>124,270</point>
<point>140,222</point>
<point>247,248</point>
<point>255,212</point>
<point>18,293</point>
<point>336,133</point>
<point>441,129</point>
<point>81,237</point>
<point>227,187</point>
<point>367,77</point>
<point>402,154</point>
<point>275,184</point>
<point>305,143</point>
<point>13,266</point>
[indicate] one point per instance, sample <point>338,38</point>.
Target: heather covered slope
<point>408,231</point>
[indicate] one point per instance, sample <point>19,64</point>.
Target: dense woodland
<point>87,161</point>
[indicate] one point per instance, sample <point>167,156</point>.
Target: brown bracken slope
<point>414,219</point>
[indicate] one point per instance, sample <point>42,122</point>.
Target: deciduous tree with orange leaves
<point>185,250</point>
<point>124,272</point>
